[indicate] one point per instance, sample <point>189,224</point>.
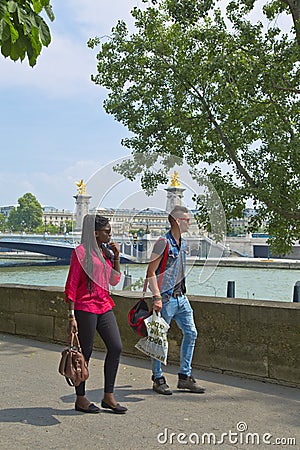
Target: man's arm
<point>155,259</point>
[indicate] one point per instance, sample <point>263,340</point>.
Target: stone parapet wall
<point>255,339</point>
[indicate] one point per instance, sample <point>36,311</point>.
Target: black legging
<point>107,327</point>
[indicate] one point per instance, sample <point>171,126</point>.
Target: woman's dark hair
<point>92,223</point>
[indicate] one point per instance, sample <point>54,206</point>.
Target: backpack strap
<point>162,268</point>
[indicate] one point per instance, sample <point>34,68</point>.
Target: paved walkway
<point>37,407</point>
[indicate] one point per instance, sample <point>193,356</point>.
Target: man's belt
<point>177,294</point>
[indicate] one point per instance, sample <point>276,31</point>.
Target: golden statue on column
<point>81,188</point>
<point>82,204</point>
<point>174,180</point>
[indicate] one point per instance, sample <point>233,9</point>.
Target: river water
<point>250,283</point>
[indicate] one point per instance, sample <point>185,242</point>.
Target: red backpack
<point>140,310</point>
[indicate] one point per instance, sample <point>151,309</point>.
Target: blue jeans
<point>181,311</point>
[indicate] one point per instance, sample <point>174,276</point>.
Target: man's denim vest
<point>169,277</point>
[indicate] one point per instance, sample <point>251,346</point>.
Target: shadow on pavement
<point>40,417</point>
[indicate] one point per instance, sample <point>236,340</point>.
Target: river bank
<point>257,263</point>
<point>21,259</point>
<point>26,256</point>
<point>239,262</point>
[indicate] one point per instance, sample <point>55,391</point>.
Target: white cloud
<point>50,189</point>
<point>64,68</point>
<point>57,189</point>
<point>97,18</point>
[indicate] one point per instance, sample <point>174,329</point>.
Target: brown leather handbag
<point>73,365</point>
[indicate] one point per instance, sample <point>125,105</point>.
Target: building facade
<point>59,218</point>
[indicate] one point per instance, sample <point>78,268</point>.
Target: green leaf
<point>13,33</point>
<point>20,46</point>
<point>44,33</point>
<point>49,12</point>
<point>22,15</point>
<point>14,52</point>
<point>34,19</point>
<point>24,18</point>
<point>35,41</point>
<point>6,47</point>
<point>11,6</point>
<point>4,30</point>
<point>32,56</point>
<point>37,6</point>
<point>2,9</point>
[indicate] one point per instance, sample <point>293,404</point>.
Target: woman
<point>93,267</point>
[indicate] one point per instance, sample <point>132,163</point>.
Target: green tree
<point>70,226</point>
<point>23,31</point>
<point>27,215</point>
<point>2,222</point>
<point>220,92</point>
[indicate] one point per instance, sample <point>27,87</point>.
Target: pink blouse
<point>98,301</point>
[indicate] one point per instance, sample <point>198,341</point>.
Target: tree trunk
<point>294,6</point>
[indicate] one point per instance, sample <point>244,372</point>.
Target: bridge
<point>132,251</point>
<point>59,247</point>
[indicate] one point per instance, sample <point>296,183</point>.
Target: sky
<point>54,131</point>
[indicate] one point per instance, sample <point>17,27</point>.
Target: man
<point>166,276</point>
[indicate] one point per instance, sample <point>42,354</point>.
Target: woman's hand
<point>72,328</point>
<point>115,248</point>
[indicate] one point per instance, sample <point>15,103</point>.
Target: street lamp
<point>147,227</point>
<point>23,223</point>
<point>45,227</point>
<point>134,244</point>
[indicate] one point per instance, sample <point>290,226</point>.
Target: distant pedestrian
<point>168,288</point>
<point>93,267</point>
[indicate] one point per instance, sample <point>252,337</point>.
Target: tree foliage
<point>27,215</point>
<point>55,229</point>
<point>2,222</point>
<point>216,90</point>
<point>23,31</point>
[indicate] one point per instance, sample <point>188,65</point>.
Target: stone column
<point>174,197</point>
<point>146,244</point>
<point>82,208</point>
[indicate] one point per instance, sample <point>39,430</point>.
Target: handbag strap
<point>74,337</point>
